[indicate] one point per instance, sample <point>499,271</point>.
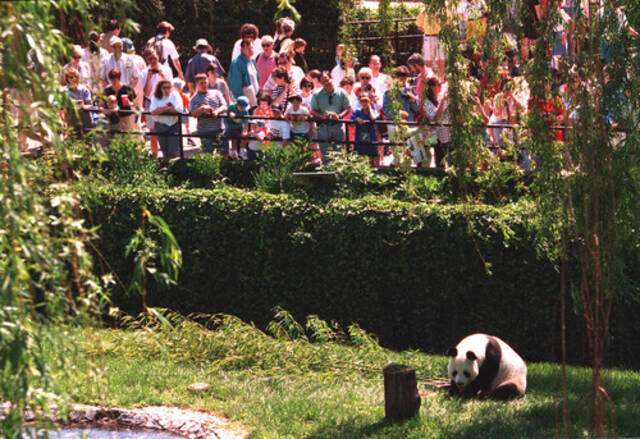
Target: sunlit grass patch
<point>292,387</point>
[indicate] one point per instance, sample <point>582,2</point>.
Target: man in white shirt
<point>140,65</point>
<point>378,79</point>
<point>165,47</point>
<point>81,66</point>
<point>120,61</point>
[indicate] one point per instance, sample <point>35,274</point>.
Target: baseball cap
<point>242,102</point>
<point>128,45</point>
<point>115,40</point>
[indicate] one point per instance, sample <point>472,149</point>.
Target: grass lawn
<point>279,388</point>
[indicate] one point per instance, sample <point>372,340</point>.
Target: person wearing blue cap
<point>236,127</point>
<point>140,65</point>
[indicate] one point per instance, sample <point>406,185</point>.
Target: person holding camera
<point>284,88</point>
<point>295,73</point>
<point>366,87</point>
<point>154,73</point>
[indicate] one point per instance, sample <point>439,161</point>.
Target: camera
<point>155,70</point>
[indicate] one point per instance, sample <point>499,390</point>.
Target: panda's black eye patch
<point>455,372</point>
<point>467,374</point>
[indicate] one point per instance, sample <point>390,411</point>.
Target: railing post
<point>346,145</point>
<point>397,41</point>
<point>180,138</point>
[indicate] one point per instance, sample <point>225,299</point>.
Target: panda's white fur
<point>485,366</point>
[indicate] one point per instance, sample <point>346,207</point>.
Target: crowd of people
<point>270,95</point>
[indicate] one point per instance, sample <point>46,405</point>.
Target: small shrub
<point>278,164</point>
<point>355,176</point>
<point>415,187</point>
<point>130,164</point>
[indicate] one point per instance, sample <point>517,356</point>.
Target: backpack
<point>156,43</point>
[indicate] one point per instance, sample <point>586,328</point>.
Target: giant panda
<point>484,366</point>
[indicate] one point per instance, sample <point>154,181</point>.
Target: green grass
<point>279,388</point>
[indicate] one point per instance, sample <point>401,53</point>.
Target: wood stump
<point>401,398</point>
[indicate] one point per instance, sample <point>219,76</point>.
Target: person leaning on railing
<point>206,105</point>
<point>329,104</point>
<point>124,98</point>
<point>81,98</point>
<point>165,103</point>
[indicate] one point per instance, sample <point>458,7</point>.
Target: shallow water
<point>95,433</point>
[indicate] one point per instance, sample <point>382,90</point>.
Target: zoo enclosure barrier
<point>249,119</point>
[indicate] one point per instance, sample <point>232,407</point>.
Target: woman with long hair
<point>436,107</point>
<point>165,105</point>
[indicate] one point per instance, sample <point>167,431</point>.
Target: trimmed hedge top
<point>417,275</point>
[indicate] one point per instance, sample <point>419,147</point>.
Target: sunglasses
<point>307,86</point>
<point>166,87</point>
<point>267,45</point>
<point>77,56</point>
<point>152,59</point>
<point>331,98</point>
<point>365,77</point>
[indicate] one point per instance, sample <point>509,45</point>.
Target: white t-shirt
<point>278,129</point>
<point>257,49</point>
<point>168,49</point>
<point>155,78</point>
<point>381,83</point>
<point>295,73</point>
<point>306,100</point>
<point>128,70</point>
<point>141,66</point>
<point>173,98</point>
<point>299,127</point>
<point>83,68</point>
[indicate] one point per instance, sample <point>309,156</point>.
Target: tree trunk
<point>401,398</point>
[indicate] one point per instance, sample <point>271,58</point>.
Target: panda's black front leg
<point>471,391</point>
<point>453,389</point>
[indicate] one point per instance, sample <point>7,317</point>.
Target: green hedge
<point>412,274</point>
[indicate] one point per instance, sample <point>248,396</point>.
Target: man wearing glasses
<point>329,104</point>
<point>243,74</point>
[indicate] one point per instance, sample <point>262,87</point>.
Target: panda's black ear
<point>452,352</point>
<point>471,356</point>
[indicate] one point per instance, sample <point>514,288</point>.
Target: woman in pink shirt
<point>266,61</point>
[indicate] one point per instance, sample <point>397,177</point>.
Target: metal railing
<point>250,119</point>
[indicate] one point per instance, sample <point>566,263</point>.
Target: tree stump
<point>401,398</point>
